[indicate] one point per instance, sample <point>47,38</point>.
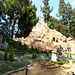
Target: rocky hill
<point>44,38</point>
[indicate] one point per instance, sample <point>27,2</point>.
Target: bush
<point>8,47</point>
<point>61,62</point>
<point>4,48</point>
<point>35,55</point>
<point>6,55</point>
<point>47,53</point>
<point>58,62</point>
<point>70,55</point>
<point>47,59</point>
<point>11,55</point>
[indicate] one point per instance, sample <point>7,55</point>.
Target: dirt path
<point>40,69</point>
<point>48,68</point>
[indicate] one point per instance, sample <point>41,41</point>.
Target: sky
<point>54,3</point>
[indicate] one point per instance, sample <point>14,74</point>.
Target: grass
<point>23,60</point>
<point>20,61</point>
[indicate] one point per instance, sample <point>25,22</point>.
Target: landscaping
<point>23,60</point>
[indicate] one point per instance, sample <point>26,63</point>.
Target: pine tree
<point>65,11</point>
<point>68,12</point>
<point>11,55</point>
<point>46,10</point>
<point>61,11</point>
<point>72,26</point>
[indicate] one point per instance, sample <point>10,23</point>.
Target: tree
<point>46,10</point>
<point>28,19</point>
<point>63,29</point>
<point>65,11</point>
<point>22,13</point>
<point>3,20</point>
<point>11,7</point>
<point>68,12</point>
<point>61,11</point>
<point>52,22</point>
<point>72,24</point>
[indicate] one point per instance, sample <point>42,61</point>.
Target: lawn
<point>23,60</point>
<point>20,61</point>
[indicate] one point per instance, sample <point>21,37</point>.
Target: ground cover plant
<point>19,61</point>
<point>23,60</point>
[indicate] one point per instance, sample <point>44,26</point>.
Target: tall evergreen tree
<point>46,10</point>
<point>65,11</point>
<point>68,14</point>
<point>72,24</point>
<point>61,11</point>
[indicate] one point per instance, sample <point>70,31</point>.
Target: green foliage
<point>6,55</point>
<point>5,48</point>
<point>27,19</point>
<point>8,47</point>
<point>19,61</point>
<point>65,12</point>
<point>46,10</point>
<point>72,22</point>
<point>47,53</point>
<point>69,55</point>
<point>11,55</point>
<point>47,59</point>
<point>59,27</point>
<point>23,11</point>
<point>33,55</point>
<point>58,62</point>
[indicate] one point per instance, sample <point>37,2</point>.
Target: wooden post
<point>26,70</point>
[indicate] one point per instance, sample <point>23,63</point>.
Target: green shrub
<point>33,55</point>
<point>47,53</point>
<point>58,62</point>
<point>4,48</point>
<point>70,55</point>
<point>54,62</point>
<point>8,47</point>
<point>47,59</point>
<point>11,55</point>
<point>61,62</point>
<point>6,55</point>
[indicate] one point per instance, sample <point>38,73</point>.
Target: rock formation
<point>42,37</point>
